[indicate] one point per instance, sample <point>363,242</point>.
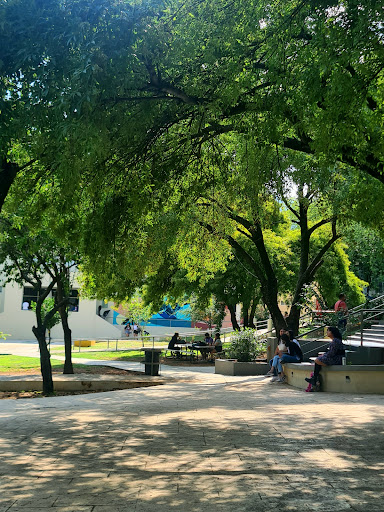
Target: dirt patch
<point>39,394</point>
<point>90,370</point>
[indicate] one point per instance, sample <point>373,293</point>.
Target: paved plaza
<point>202,442</point>
<point>214,443</point>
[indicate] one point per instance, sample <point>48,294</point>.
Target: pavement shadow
<point>246,446</point>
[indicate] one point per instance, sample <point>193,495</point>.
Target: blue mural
<point>172,317</point>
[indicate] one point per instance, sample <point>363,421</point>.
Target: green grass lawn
<point>121,345</point>
<point>132,355</point>
<point>18,363</point>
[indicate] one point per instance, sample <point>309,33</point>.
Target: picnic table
<point>191,350</point>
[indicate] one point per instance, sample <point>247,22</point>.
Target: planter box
<point>233,367</point>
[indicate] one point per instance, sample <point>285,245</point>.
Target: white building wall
<point>85,323</point>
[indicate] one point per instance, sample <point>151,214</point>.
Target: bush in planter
<point>245,347</point>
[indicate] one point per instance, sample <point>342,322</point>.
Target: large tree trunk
<point>62,299</point>
<point>252,312</point>
<point>8,172</point>
<point>245,315</point>
<point>262,265</point>
<point>270,300</point>
<point>68,366</point>
<point>45,361</point>
<point>232,311</point>
<point>293,320</point>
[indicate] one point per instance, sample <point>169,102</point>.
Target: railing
<point>128,343</point>
<point>362,314</point>
<point>378,312</point>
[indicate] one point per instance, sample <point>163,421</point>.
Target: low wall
<point>339,379</point>
<point>76,383</point>
<point>233,367</point>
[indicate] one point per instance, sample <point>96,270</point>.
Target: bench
<point>339,378</point>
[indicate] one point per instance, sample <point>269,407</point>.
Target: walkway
<point>214,443</point>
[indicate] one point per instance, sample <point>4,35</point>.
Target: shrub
<point>245,347</point>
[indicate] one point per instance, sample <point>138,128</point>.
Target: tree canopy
<point>186,125</point>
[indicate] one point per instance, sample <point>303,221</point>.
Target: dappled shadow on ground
<point>247,446</point>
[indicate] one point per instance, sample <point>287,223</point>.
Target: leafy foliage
<point>245,346</point>
<point>136,310</point>
<point>208,310</point>
<point>47,306</point>
<point>185,124</point>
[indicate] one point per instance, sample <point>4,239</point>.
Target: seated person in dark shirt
<point>174,341</point>
<point>295,356</point>
<point>217,343</point>
<point>333,356</point>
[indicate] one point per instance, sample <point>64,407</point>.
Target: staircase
<point>374,336</point>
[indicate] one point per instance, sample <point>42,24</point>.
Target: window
<point>74,300</point>
<point>30,295</point>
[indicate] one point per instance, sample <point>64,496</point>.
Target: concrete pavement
<point>211,442</point>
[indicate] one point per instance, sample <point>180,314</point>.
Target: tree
<point>207,310</point>
<point>46,307</point>
<point>365,249</point>
<point>155,104</point>
<point>136,310</point>
<point>235,285</point>
<point>155,83</point>
<point>39,245</point>
<point>30,258</point>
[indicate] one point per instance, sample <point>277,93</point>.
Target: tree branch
<point>317,261</point>
<point>157,83</point>
<point>320,223</point>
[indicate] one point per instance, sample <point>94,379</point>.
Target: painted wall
<point>84,323</point>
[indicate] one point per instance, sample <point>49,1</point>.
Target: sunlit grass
<point>9,363</point>
<point>111,356</point>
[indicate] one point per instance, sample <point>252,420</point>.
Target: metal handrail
<point>309,332</point>
<point>362,319</point>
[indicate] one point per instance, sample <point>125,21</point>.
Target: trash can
<point>152,361</point>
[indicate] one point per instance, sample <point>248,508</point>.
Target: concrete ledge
<point>339,379</point>
<point>233,367</point>
<point>78,382</point>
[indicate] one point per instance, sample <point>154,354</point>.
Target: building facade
<point>88,319</point>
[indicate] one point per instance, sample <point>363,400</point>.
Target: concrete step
<point>369,336</point>
<point>356,338</point>
<point>371,332</point>
<point>377,328</point>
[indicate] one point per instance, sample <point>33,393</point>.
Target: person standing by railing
<point>341,309</point>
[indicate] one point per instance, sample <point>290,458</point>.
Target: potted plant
<point>245,347</point>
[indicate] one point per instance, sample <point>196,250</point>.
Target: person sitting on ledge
<point>294,355</point>
<point>333,356</point>
<point>280,350</point>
